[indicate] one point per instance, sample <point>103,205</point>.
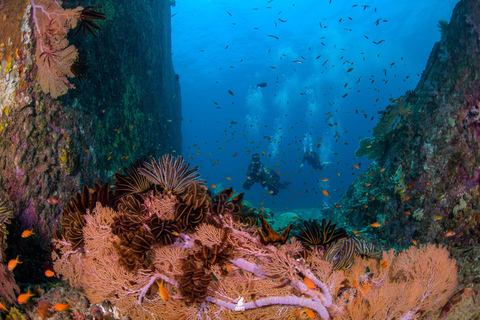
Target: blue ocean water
<point>330,66</point>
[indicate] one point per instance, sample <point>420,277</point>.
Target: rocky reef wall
<point>423,185</point>
<point>128,96</point>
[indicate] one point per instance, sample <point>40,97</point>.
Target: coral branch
<point>290,300</point>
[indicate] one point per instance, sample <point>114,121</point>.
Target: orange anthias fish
<point>13,263</point>
<point>309,283</point>
<point>24,297</point>
<point>384,265</point>
<point>375,225</point>
<point>325,192</point>
<point>383,169</point>
<point>49,273</point>
<point>310,313</point>
<point>356,166</point>
<point>450,233</point>
<point>27,233</point>
<point>324,179</point>
<point>61,306</point>
<point>52,200</point>
<point>3,307</point>
<point>163,292</point>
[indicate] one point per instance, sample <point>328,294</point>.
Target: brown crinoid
<point>129,204</point>
<point>216,254</point>
<point>267,235</point>
<point>87,21</point>
<point>341,254</point>
<point>221,205</point>
<point>134,248</point>
<point>73,219</point>
<point>194,281</point>
<point>366,249</point>
<point>315,235</point>
<point>193,208</point>
<point>131,182</point>
<point>170,173</point>
<point>162,231</point>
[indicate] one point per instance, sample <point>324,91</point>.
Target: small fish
<point>268,138</point>
<point>271,35</point>
<point>414,242</point>
<point>27,233</point>
<point>408,213</point>
<point>349,70</point>
<point>228,178</point>
<point>163,292</point>
<point>262,84</point>
<point>384,265</point>
<point>61,306</point>
<point>367,185</point>
<point>375,225</point>
<point>405,199</point>
<point>270,192</point>
<point>310,313</point>
<point>297,61</point>
<point>325,192</point>
<point>24,297</point>
<point>437,217</point>
<point>324,179</point>
<point>378,42</point>
<point>175,233</point>
<point>52,200</point>
<point>235,154</point>
<point>429,183</point>
<point>338,205</point>
<point>49,273</point>
<point>356,166</point>
<point>383,169</point>
<point>213,186</point>
<point>309,283</point>
<point>400,191</point>
<point>3,307</point>
<point>13,263</point>
<point>441,197</point>
<point>231,92</point>
<point>449,234</point>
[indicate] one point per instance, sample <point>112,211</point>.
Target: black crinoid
<point>315,235</point>
<point>172,174</point>
<point>341,254</point>
<point>73,219</point>
<point>131,182</point>
<point>88,16</point>
<point>80,67</point>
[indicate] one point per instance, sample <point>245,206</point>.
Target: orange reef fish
<point>375,225</point>
<point>49,273</point>
<point>27,233</point>
<point>52,200</point>
<point>163,292</point>
<point>24,297</point>
<point>309,283</point>
<point>325,192</point>
<point>61,306</point>
<point>3,307</point>
<point>310,313</point>
<point>450,233</point>
<point>13,263</point>
<point>324,179</point>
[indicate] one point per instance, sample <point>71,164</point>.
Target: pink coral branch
<point>290,300</point>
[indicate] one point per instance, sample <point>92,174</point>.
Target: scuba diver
<point>313,159</point>
<point>268,178</point>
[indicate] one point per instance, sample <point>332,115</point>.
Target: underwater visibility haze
<point>326,78</point>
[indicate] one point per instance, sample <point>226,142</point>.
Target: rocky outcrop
<point>424,183</point>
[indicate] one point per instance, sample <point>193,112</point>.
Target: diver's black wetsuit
<point>268,178</point>
<point>313,159</point>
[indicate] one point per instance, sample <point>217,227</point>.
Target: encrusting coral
<point>208,269</point>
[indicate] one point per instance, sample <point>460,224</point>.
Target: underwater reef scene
<point>101,217</point>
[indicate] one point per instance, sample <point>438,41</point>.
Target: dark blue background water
<point>225,45</point>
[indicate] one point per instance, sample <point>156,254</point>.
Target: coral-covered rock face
<point>423,185</point>
<point>151,261</point>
